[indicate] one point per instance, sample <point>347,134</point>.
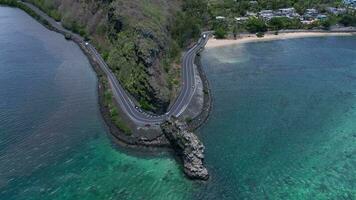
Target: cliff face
<point>133,36</point>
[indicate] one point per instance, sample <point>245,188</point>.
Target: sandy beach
<point>245,38</point>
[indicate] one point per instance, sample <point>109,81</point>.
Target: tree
<point>284,23</point>
<point>277,23</point>
<point>255,25</point>
<point>234,31</point>
<point>220,33</point>
<point>348,20</point>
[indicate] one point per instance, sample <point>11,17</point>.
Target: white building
<point>241,19</point>
<point>311,11</point>
<point>251,14</point>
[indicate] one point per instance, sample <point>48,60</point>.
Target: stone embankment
<point>188,146</point>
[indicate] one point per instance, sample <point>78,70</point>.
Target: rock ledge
<point>188,147</point>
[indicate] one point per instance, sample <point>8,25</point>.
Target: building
<point>311,11</point>
<point>351,3</point>
<point>310,14</point>
<point>321,17</point>
<point>286,11</point>
<point>283,12</point>
<point>241,19</point>
<point>307,22</point>
<point>336,11</point>
<point>251,14</point>
<point>253,2</point>
<point>266,14</point>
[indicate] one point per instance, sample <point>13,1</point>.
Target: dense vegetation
<point>133,37</point>
<point>140,40</point>
<point>190,21</point>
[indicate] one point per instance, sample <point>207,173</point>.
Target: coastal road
<point>138,116</point>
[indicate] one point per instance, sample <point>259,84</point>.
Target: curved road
<point>181,103</point>
<point>138,116</point>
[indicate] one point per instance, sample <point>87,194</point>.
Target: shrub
<point>255,25</point>
<point>260,34</point>
<point>220,33</point>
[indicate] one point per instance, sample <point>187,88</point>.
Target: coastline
<point>139,140</point>
<point>270,36</point>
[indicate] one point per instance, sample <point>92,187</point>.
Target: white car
<point>204,36</point>
<point>86,44</point>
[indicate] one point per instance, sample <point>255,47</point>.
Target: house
<point>251,14</point>
<point>253,2</point>
<point>311,11</point>
<point>286,11</point>
<point>310,14</point>
<point>336,11</point>
<point>283,12</point>
<point>241,19</point>
<point>307,22</point>
<point>266,14</point>
<point>321,17</point>
<point>289,12</point>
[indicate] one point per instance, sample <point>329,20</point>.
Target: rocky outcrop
<point>188,147</point>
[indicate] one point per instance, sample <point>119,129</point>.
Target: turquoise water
<point>53,142</point>
<point>283,122</point>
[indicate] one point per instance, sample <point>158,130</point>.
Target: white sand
<point>268,37</point>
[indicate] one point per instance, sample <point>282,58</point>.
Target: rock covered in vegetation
<point>133,37</point>
<point>188,147</point>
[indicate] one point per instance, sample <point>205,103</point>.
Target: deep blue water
<point>53,142</point>
<point>283,121</point>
